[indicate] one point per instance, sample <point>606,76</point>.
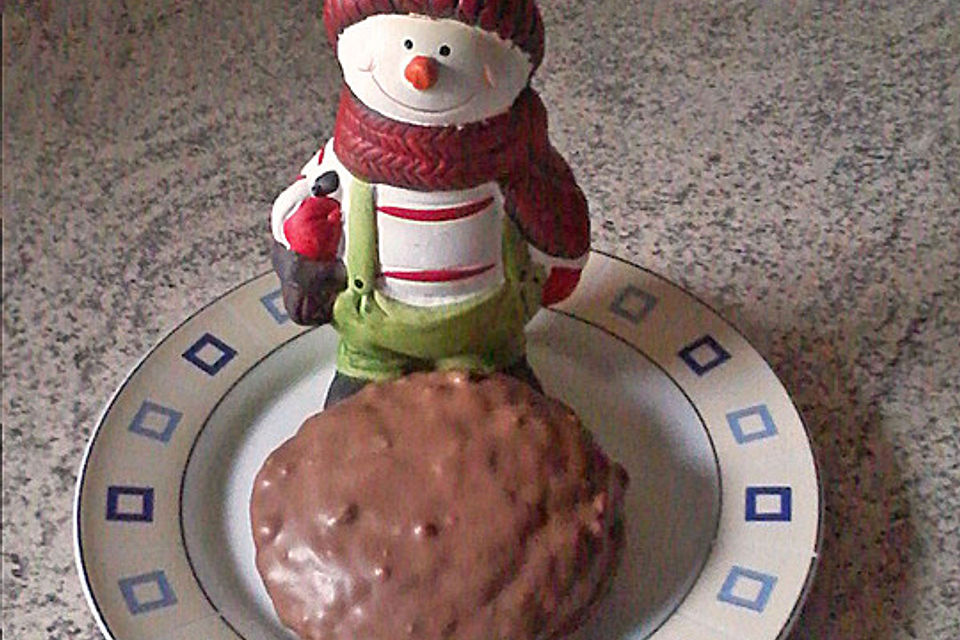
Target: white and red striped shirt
<point>435,247</point>
<point>441,246</point>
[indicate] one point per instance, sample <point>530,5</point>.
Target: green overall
<point>381,338</point>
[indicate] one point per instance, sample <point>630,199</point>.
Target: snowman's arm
<point>562,274</point>
<point>308,239</point>
<point>290,200</point>
<point>285,206</point>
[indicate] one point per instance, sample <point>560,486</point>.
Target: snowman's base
<point>343,386</point>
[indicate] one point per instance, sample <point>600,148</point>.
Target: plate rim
<point>818,477</point>
<point>92,603</point>
<point>811,570</point>
<point>186,467</point>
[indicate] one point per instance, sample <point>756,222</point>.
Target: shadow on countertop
<point>862,586</point>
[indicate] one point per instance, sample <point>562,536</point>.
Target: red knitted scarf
<point>512,149</point>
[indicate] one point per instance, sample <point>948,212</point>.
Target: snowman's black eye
<point>408,43</point>
<point>444,50</point>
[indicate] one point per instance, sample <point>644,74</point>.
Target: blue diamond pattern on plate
<point>210,354</point>
<point>752,423</point>
<point>119,507</point>
<point>147,592</point>
<point>747,588</point>
<point>758,504</point>
<point>273,303</point>
<point>155,421</point>
<point>633,304</point>
<point>704,355</point>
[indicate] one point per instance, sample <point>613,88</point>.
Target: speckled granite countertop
<point>795,166</point>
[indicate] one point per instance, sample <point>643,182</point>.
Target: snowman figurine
<point>438,219</point>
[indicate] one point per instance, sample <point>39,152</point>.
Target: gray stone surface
<point>795,164</point>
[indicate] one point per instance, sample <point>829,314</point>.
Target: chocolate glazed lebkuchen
<point>438,505</point>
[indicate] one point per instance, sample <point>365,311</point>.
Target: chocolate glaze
<point>438,506</point>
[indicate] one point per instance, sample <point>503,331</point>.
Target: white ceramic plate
<point>723,511</point>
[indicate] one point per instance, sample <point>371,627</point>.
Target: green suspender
<point>361,254</point>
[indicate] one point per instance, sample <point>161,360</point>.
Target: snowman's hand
<point>314,230</point>
<point>309,287</point>
<point>559,285</point>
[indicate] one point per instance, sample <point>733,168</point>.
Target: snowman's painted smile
<point>386,94</point>
<point>432,72</point>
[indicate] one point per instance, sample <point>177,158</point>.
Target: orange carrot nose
<point>421,72</point>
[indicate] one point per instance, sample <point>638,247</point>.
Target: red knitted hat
<point>515,20</point>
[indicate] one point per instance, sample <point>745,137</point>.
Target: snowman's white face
<point>430,71</point>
